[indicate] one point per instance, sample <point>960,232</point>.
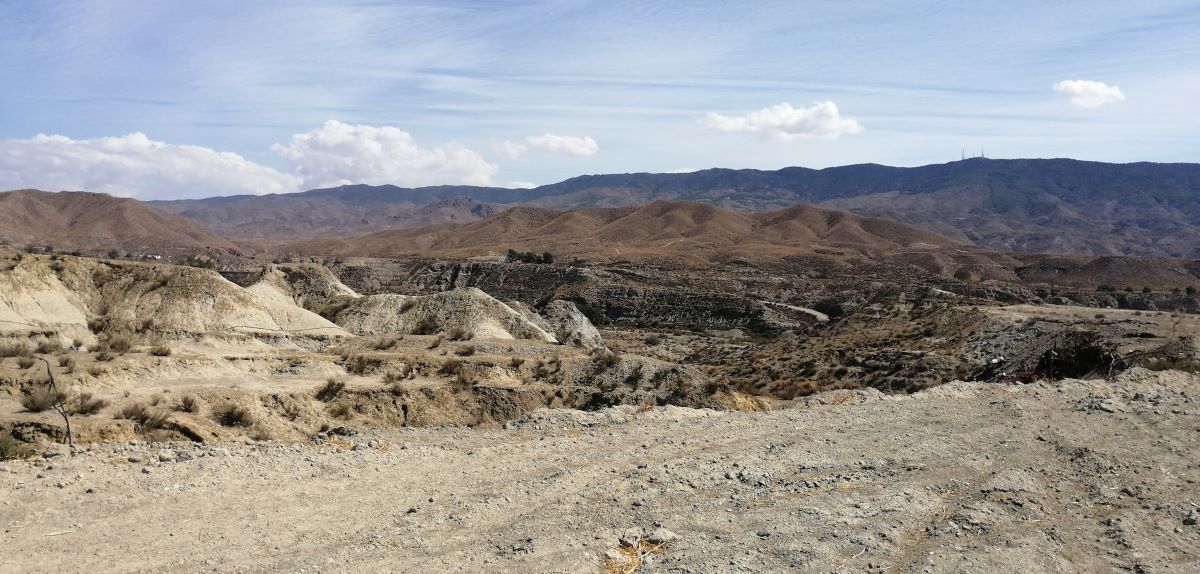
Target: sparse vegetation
<point>465,351</point>
<point>460,334</point>
<point>104,356</point>
<point>42,398</point>
<point>49,347</point>
<point>188,404</point>
<point>529,257</point>
<point>231,415</point>
<point>15,349</point>
<point>451,367</point>
<point>516,362</point>
<point>146,416</point>
<point>341,411</point>
<point>1186,365</point>
<point>13,449</point>
<point>160,351</point>
<point>88,404</point>
<point>331,389</point>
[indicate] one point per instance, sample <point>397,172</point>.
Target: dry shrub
<point>465,351</point>
<point>26,362</point>
<point>330,389</point>
<point>460,334</point>
<point>425,326</point>
<point>631,558</point>
<point>66,363</point>
<point>49,347</point>
<point>161,351</point>
<point>231,415</point>
<point>516,362</point>
<point>360,364</point>
<point>461,382</point>
<point>41,398</point>
<point>15,349</point>
<point>188,404</point>
<point>341,411</point>
<point>119,345</point>
<point>451,367</point>
<point>104,356</point>
<point>88,404</point>
<point>437,342</point>
<point>13,449</point>
<point>384,344</point>
<point>96,372</point>
<point>144,415</point>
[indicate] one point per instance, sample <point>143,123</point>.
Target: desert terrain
<point>1068,476</point>
<point>672,387</point>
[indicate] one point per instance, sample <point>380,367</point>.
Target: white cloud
<point>570,145</point>
<point>510,149</point>
<point>338,154</point>
<point>133,165</point>
<point>783,122</point>
<point>1089,94</point>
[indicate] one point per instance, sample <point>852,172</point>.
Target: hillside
<point>697,231</point>
<point>339,211</point>
<point>1033,205</point>
<point>98,222</point>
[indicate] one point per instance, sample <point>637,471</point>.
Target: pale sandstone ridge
<point>468,310</point>
<point>65,294</point>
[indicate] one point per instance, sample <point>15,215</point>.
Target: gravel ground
<point>1066,477</point>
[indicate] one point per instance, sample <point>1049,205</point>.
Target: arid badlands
<point>527,385</point>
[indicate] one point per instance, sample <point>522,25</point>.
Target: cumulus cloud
<point>338,154</point>
<point>133,165</point>
<point>783,122</point>
<point>1088,93</point>
<point>570,145</point>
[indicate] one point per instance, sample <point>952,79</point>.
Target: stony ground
<point>1057,477</point>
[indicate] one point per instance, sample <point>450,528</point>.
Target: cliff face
<point>604,296</point>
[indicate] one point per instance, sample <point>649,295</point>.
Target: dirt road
<point>1065,477</point>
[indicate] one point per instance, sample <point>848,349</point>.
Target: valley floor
<point>1073,476</point>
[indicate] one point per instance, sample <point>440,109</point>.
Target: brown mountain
<point>676,230</point>
<point>98,222</point>
<point>346,210</point>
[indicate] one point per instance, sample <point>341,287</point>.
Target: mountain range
<point>1029,205</point>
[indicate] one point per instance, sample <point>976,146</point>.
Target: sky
<point>165,99</point>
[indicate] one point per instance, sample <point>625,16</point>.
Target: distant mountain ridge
<point>1032,205</point>
<point>99,222</point>
<point>667,230</point>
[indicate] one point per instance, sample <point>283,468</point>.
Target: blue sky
<point>318,93</point>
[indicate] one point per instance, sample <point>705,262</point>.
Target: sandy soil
<point>1064,477</point>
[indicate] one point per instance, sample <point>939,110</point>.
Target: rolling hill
<point>99,222</point>
<point>1031,205</point>
<point>696,231</point>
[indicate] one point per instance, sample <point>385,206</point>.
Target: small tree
<point>1190,290</point>
<point>59,401</point>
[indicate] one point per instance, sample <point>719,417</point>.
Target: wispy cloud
<point>569,145</point>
